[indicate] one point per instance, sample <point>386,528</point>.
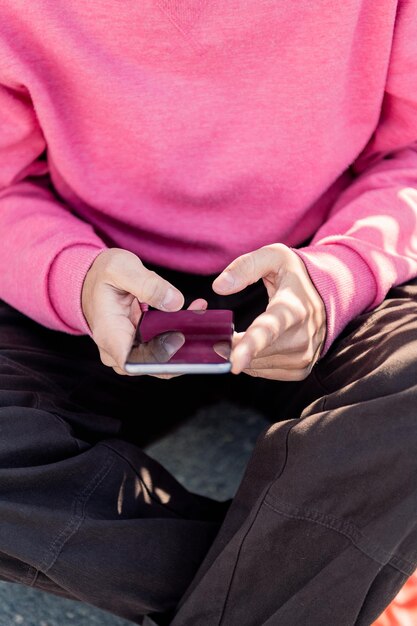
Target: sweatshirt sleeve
<point>369,241</point>
<point>45,249</point>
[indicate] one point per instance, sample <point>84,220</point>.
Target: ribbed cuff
<point>65,281</point>
<point>344,282</point>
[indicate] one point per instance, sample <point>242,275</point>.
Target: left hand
<point>285,341</point>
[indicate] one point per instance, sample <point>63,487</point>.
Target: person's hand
<point>285,341</point>
<point>114,288</point>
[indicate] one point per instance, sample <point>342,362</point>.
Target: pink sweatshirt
<point>192,131</point>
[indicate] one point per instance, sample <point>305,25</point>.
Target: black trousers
<point>322,530</point>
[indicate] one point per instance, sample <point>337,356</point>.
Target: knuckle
<point>277,248</point>
<point>251,266</point>
<point>106,359</point>
<point>304,344</point>
<point>306,361</point>
<point>106,351</point>
<point>310,354</point>
<point>270,335</point>
<point>252,372</point>
<point>245,267</point>
<point>300,315</point>
<point>264,332</point>
<point>100,338</point>
<point>301,374</point>
<point>111,264</point>
<point>119,262</point>
<point>151,287</point>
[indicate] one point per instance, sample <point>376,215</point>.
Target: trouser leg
<point>85,513</point>
<point>323,529</point>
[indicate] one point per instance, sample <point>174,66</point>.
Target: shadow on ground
<point>208,454</point>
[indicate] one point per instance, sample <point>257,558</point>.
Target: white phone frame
<point>178,368</point>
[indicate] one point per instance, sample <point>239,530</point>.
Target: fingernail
<point>173,342</point>
<point>225,281</point>
<point>223,352</point>
<point>172,299</point>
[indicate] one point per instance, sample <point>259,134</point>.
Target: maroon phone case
<point>201,329</point>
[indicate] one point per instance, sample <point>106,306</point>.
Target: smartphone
<point>182,342</point>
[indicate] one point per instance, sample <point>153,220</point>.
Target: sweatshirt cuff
<point>65,282</point>
<point>344,282</point>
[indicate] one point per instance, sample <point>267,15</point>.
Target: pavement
<point>208,454</point>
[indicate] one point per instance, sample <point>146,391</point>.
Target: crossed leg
<point>323,529</point>
<point>84,512</point>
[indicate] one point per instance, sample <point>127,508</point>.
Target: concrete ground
<point>208,454</point>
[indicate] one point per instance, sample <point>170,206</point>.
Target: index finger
<point>263,331</point>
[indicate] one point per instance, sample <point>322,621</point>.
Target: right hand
<point>113,287</point>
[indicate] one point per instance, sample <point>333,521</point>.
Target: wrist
<point>65,285</point>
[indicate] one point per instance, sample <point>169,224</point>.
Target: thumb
<point>248,269</point>
<point>148,286</point>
